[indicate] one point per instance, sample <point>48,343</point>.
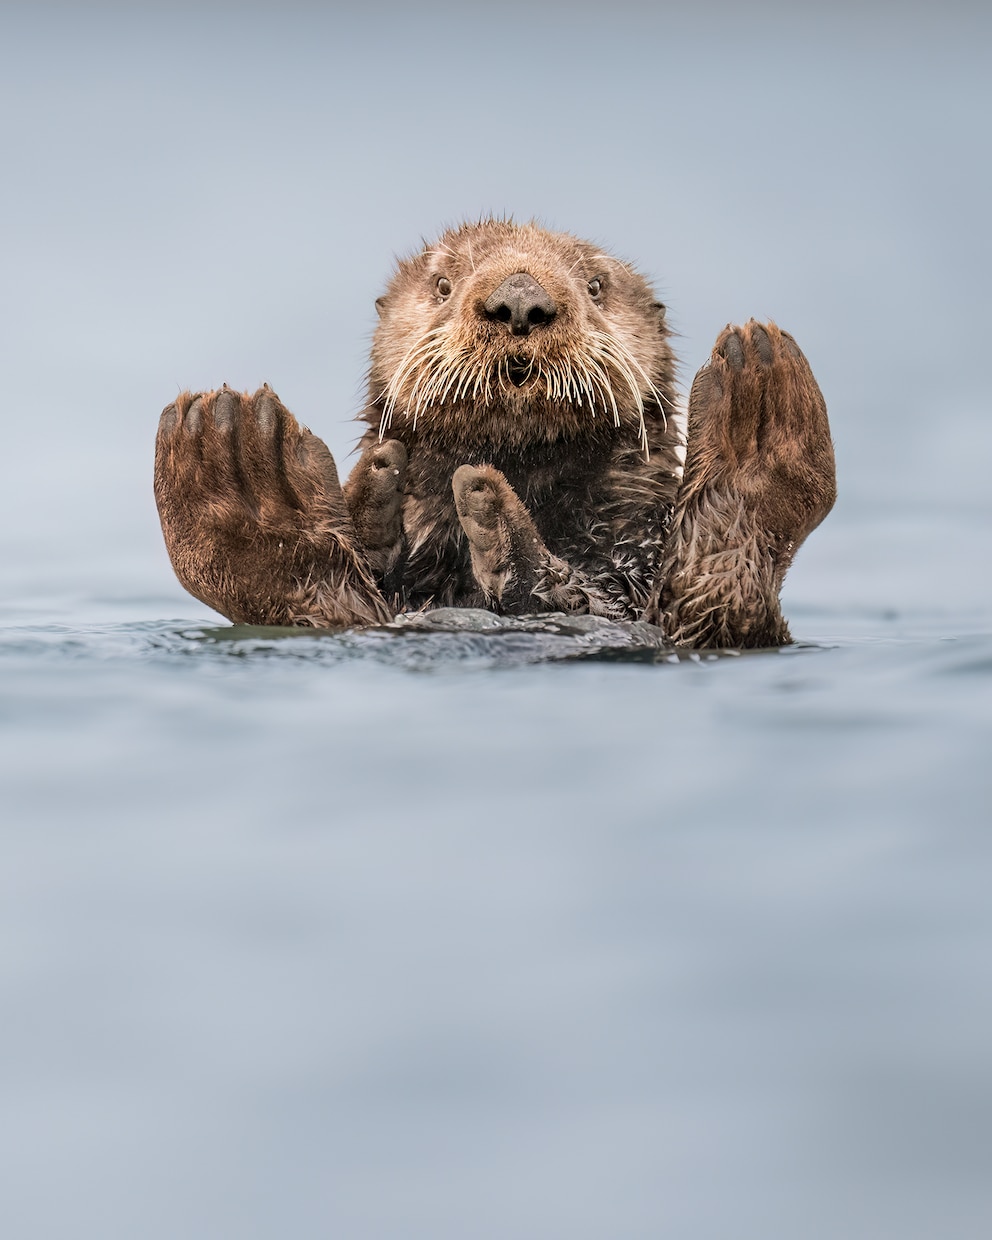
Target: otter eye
<point>595,288</point>
<point>443,287</point>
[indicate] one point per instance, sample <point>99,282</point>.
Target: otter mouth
<point>520,369</point>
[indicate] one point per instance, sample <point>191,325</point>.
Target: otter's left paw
<point>759,475</point>
<point>758,426</point>
<point>505,546</point>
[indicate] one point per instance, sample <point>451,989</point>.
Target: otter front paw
<point>374,492</point>
<point>505,546</point>
<point>254,519</point>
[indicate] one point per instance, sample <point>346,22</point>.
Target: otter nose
<point>522,303</point>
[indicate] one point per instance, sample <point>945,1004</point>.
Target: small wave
<point>422,641</point>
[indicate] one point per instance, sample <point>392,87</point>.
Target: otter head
<point>508,333</point>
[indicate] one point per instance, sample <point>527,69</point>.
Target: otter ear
<point>660,307</point>
<point>380,306</point>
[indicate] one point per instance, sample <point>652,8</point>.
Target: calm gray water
<point>492,934</point>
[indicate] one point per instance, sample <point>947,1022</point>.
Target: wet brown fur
<point>523,472</point>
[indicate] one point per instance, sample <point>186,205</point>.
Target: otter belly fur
<point>524,451</point>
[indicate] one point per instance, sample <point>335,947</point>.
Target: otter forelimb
<point>254,519</point>
<point>759,477</point>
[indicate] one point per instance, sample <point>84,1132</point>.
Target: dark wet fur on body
<point>521,454</point>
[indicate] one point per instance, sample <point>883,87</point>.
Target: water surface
<point>495,933</point>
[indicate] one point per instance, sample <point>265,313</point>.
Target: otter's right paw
<point>759,476</point>
<point>253,516</point>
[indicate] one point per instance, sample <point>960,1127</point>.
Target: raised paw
<point>758,425</point>
<point>505,546</point>
<point>759,476</point>
<point>254,518</point>
<point>374,493</point>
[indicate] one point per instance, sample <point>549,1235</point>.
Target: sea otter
<point>524,452</point>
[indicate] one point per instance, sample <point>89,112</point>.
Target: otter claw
<point>763,346</point>
<point>226,408</point>
<point>733,351</point>
<point>194,417</point>
<point>266,410</point>
<point>169,420</point>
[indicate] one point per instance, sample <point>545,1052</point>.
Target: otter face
<point>509,331</point>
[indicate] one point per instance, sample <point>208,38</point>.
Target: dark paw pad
<point>227,406</point>
<point>193,417</point>
<point>731,349</point>
<point>169,420</point>
<point>762,344</point>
